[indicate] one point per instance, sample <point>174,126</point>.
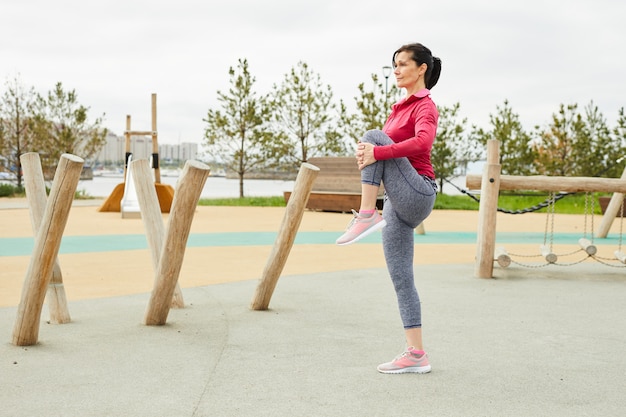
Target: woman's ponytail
<point>433,77</point>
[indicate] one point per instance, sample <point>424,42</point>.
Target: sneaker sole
<point>413,370</point>
<point>369,231</point>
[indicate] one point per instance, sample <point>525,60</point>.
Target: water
<point>220,187</point>
<point>215,187</point>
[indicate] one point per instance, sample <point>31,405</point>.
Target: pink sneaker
<point>406,362</point>
<point>360,227</point>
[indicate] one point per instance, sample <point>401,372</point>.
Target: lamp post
<point>386,74</point>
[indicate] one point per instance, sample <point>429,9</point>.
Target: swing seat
<point>587,246</point>
<point>502,257</point>
<point>548,255</point>
<point>620,256</point>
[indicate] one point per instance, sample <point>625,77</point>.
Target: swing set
<point>586,243</point>
<point>491,182</point>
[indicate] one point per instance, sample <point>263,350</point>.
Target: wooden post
<point>186,198</point>
<point>35,186</point>
<point>546,183</point>
<point>151,215</point>
<point>286,236</point>
<point>46,249</point>
<point>127,144</point>
<point>487,212</point>
<point>611,211</point>
<point>155,142</point>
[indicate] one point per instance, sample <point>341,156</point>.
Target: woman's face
<point>408,74</point>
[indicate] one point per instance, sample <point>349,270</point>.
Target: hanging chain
<point>549,220</point>
<point>545,233</point>
<point>586,214</point>
<point>593,215</point>
<point>551,208</point>
<point>621,223</point>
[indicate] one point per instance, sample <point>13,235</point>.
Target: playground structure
<point>165,193</point>
<point>490,184</point>
<point>167,245</point>
<point>108,361</point>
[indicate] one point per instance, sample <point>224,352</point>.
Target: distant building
<point>180,152</point>
<point>113,152</point>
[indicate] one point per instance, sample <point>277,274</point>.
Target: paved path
<point>531,342</point>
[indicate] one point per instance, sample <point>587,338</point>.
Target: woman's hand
<point>364,154</point>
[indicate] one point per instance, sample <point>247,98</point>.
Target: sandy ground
<point>113,273</point>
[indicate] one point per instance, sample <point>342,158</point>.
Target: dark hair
<point>422,55</point>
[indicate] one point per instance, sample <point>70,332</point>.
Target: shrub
<point>7,190</point>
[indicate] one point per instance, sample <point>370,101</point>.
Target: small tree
<point>577,144</point>
<point>517,156</point>
<point>61,125</point>
<point>555,150</point>
<point>619,138</point>
<point>305,118</point>
<point>604,149</point>
<point>237,135</point>
<point>15,118</point>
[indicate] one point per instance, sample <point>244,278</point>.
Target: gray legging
<point>409,200</point>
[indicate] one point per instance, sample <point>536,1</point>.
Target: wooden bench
<point>337,186</point>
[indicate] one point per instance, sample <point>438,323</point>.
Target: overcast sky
<point>537,54</point>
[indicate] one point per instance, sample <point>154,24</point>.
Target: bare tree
<point>15,119</point>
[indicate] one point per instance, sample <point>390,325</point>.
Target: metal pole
<point>386,74</point>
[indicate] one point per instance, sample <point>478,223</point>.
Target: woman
<point>399,157</point>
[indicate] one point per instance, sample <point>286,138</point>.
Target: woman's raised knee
<point>376,137</point>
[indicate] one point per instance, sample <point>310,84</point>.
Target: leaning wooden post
<point>286,236</point>
<point>35,186</point>
<point>611,211</point>
<point>151,216</point>
<point>46,249</point>
<point>186,198</point>
<point>487,212</point>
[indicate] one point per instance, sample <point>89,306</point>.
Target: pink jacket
<point>412,125</point>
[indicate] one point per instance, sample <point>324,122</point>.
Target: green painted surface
<point>107,243</point>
